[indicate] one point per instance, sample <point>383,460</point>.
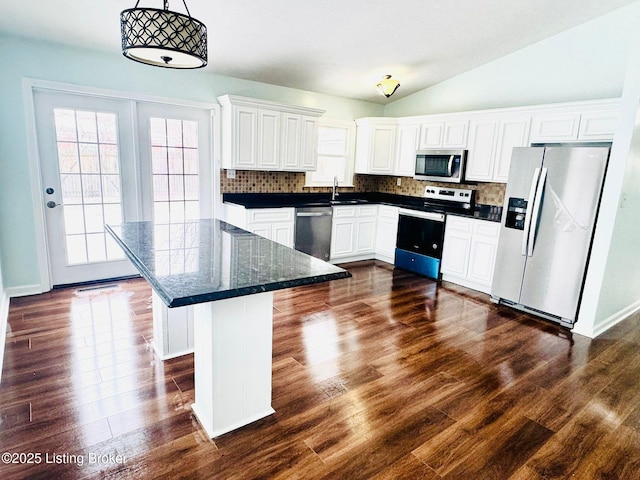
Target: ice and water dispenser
<point>516,213</point>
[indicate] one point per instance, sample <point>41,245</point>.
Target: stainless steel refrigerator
<point>549,215</point>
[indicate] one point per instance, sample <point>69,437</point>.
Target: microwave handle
<point>451,165</point>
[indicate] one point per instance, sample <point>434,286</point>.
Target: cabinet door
<point>282,233</point>
<point>457,245</point>
<point>268,139</point>
<point>513,132</point>
<point>290,145</point>
<point>600,125</point>
<point>365,235</point>
<point>308,160</point>
<point>407,144</point>
<point>383,149</point>
<point>555,127</point>
<point>482,259</point>
<point>342,237</point>
<point>262,230</point>
<point>482,148</point>
<point>431,135</point>
<point>387,230</point>
<point>455,253</point>
<point>245,136</point>
<point>455,134</point>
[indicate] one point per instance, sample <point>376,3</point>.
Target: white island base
<point>232,362</point>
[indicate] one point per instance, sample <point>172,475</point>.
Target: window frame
<point>350,153</point>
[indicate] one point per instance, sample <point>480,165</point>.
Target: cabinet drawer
<point>459,224</point>
<point>386,212</point>
<point>270,215</point>
<point>486,228</point>
<point>367,211</point>
<point>344,212</point>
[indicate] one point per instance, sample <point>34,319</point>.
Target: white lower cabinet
<point>469,253</point>
<point>386,233</point>
<point>277,224</point>
<point>353,234</point>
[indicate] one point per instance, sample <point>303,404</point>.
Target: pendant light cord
<point>166,6</point>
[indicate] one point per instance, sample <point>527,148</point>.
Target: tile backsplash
<point>250,181</point>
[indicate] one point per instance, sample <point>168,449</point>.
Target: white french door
<point>84,147</point>
<point>106,161</point>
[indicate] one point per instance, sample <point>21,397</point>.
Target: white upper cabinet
<point>512,132</point>
<point>375,146</point>
<point>407,138</point>
<point>491,141</point>
<point>268,139</point>
<point>299,142</point>
<point>586,123</point>
<point>483,134</point>
<point>431,135</point>
<point>444,134</point>
<point>263,135</point>
<point>598,125</point>
<point>555,127</point>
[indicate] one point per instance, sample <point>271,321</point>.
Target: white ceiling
<point>338,47</point>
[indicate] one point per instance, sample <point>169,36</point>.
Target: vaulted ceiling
<point>338,47</point>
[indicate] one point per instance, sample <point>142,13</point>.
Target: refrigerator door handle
<point>537,206</point>
<point>527,213</point>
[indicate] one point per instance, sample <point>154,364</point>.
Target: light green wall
<point>22,58</point>
<point>584,63</point>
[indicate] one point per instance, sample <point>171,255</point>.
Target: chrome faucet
<point>334,192</point>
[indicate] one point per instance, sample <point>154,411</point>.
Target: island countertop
<point>208,259</point>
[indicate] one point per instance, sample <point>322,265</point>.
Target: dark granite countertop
<point>279,200</point>
<point>206,260</point>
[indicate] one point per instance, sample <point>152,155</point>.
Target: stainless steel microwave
<point>440,165</point>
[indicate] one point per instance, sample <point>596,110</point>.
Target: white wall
<point>24,58</point>
<point>584,63</point>
<point>612,290</point>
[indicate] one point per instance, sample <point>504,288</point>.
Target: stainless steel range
<point>421,229</point>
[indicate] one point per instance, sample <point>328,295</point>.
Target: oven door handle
<point>450,168</point>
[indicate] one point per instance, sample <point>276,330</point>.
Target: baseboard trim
<point>25,290</point>
<point>614,319</point>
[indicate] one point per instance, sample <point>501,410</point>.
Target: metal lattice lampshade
<point>163,38</point>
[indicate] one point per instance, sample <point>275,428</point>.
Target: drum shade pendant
<point>388,86</point>
<point>163,38</point>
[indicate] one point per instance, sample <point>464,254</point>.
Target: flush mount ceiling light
<point>388,86</point>
<point>163,38</point>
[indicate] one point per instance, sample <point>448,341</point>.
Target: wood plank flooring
<point>381,376</point>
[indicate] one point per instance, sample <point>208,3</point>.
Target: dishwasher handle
<point>313,214</point>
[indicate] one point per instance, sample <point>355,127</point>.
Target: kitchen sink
<point>346,202</point>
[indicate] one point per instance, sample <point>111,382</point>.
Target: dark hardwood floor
<point>385,375</point>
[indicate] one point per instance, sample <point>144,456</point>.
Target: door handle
<point>527,212</point>
<point>537,206</point>
<point>52,204</point>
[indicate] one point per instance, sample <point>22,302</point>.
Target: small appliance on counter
<point>551,206</point>
<point>421,231</point>
<point>440,165</point>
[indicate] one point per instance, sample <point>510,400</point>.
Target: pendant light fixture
<point>163,38</point>
<point>388,86</point>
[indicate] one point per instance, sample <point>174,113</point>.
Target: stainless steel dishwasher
<point>313,231</point>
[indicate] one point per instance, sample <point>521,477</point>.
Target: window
<point>336,153</point>
<point>89,169</point>
<point>175,159</point>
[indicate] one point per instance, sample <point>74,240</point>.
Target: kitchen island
<point>228,275</point>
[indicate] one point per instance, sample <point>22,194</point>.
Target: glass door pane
<point>88,163</point>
